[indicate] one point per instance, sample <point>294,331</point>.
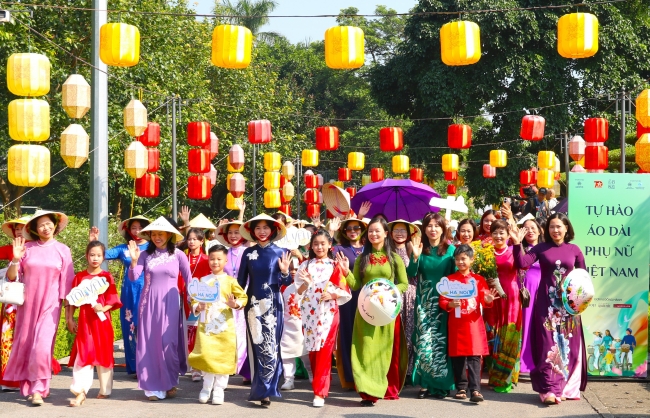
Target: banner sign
<point>609,213</point>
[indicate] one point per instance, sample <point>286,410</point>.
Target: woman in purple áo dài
<point>265,267</point>
<point>161,355</point>
<point>557,339</point>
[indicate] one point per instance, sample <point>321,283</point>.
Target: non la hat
<point>222,232</point>
<point>245,231</point>
<point>61,218</point>
<point>124,225</point>
<point>341,231</point>
<point>411,226</point>
<point>8,227</point>
<point>336,199</point>
<point>201,222</point>
<point>161,224</point>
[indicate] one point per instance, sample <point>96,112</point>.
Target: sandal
<point>171,393</point>
<point>461,394</point>
<point>100,396</point>
<point>37,400</point>
<point>423,393</point>
<point>265,403</point>
<point>476,397</point>
<point>79,400</point>
<point>366,402</point>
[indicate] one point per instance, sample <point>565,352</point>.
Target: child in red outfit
<point>467,338</point>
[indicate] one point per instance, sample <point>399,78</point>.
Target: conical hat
<point>336,199</point>
<point>289,218</point>
<point>161,224</point>
<point>245,232</point>
<point>222,232</point>
<point>62,222</point>
<point>201,222</point>
<point>124,225</point>
<point>414,230</point>
<point>8,227</point>
<point>362,222</point>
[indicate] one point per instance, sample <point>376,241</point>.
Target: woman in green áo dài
<point>432,259</point>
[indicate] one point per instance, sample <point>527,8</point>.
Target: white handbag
<point>11,292</point>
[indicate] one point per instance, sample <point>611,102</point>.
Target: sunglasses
<point>352,228</point>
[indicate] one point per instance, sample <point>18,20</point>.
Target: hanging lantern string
<point>127,83</point>
<point>217,16</point>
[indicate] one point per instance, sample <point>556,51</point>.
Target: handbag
<point>11,292</point>
<point>524,294</point>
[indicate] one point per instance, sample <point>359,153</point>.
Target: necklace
<point>196,265</point>
<point>499,254</point>
<point>233,260</point>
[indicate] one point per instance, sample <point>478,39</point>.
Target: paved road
<point>128,401</point>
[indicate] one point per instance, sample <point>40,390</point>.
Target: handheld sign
<point>87,293</point>
<point>204,292</point>
<point>456,290</point>
<point>294,238</point>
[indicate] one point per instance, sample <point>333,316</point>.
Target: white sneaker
<point>204,396</point>
<point>288,384</point>
<point>319,402</point>
<point>197,376</point>
<point>217,396</point>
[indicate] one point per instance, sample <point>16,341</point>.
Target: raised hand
<point>93,234</point>
<point>232,302</point>
<point>242,207</point>
<point>316,221</point>
<point>304,275</point>
<point>134,252</point>
<point>364,209</point>
<point>416,242</point>
<point>223,221</point>
<point>284,262</point>
<point>343,263</point>
<point>185,215</point>
<point>335,224</point>
<point>491,296</point>
<point>18,248</point>
<point>517,236</point>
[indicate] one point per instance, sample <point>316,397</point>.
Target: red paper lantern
<point>534,177</point>
<point>376,174</point>
<point>237,185</point>
<point>451,175</point>
<point>596,157</point>
<point>283,181</point>
<point>345,174</point>
<point>313,210</point>
<point>286,209</point>
<point>154,160</point>
<point>259,131</point>
<point>596,130</point>
<point>459,136</point>
<point>526,177</point>
<point>327,138</point>
<point>147,186</point>
<point>532,128</point>
<point>198,188</point>
<point>489,172</point>
<point>311,196</point>
<point>311,181</point>
<point>451,189</point>
<point>198,160</point>
<point>416,174</point>
<point>640,130</point>
<point>151,135</point>
<point>352,191</point>
<point>198,133</point>
<point>391,139</point>
<point>212,146</point>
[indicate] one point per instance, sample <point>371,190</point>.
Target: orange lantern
<point>345,174</point>
<point>532,128</point>
<point>643,109</point>
<point>391,139</point>
<point>356,161</point>
<point>198,188</point>
<point>596,130</point>
<point>451,189</point>
<point>489,172</point>
<point>198,160</point>
<point>376,174</point>
<point>498,158</point>
<point>545,178</point>
<point>417,175</point>
<point>450,162</point>
<point>460,43</point>
<point>400,164</point>
<point>151,135</point>
<point>344,47</point>
<point>577,35</point>
<point>213,145</point>
<point>231,46</point>
<point>313,210</point>
<point>198,134</point>
<point>233,203</point>
<point>459,136</point>
<point>596,157</point>
<point>236,159</point>
<point>546,159</point>
<point>147,186</point>
<point>153,160</point>
<point>237,185</point>
<point>119,45</point>
<point>327,138</point>
<point>642,147</point>
<point>259,131</point>
<point>451,175</point>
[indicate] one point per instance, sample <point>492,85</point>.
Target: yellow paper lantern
<point>356,161</point>
<point>272,199</point>
<point>231,202</point>
<point>228,177</point>
<point>76,96</point>
<point>28,74</point>
<point>545,178</point>
<point>29,120</point>
<point>75,144</point>
<point>231,46</point>
<point>271,180</point>
<point>28,165</point>
<point>643,108</point>
<point>498,158</point>
<point>642,147</point>
<point>288,170</point>
<point>310,158</point>
<point>365,180</point>
<point>119,44</point>
<point>450,162</point>
<point>400,164</point>
<point>232,169</point>
<point>288,191</point>
<point>577,35</point>
<point>339,184</point>
<point>460,43</point>
<point>135,118</point>
<point>344,47</point>
<point>546,159</point>
<point>272,161</point>
<point>136,159</point>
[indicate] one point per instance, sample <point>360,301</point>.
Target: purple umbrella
<point>396,199</point>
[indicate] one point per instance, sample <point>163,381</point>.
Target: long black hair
<point>320,232</point>
<point>445,237</point>
<point>272,225</point>
<point>389,248</point>
<point>171,246</point>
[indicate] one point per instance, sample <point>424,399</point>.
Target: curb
<point>593,400</point>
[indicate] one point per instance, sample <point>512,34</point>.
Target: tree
<point>519,72</point>
<point>251,14</point>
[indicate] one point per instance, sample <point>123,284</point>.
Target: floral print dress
<point>408,309</point>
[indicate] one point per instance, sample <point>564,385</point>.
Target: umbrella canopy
<point>396,199</point>
<point>562,206</point>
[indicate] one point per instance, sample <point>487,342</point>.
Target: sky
<point>312,29</point>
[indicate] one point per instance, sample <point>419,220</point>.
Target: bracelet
<point>11,263</point>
